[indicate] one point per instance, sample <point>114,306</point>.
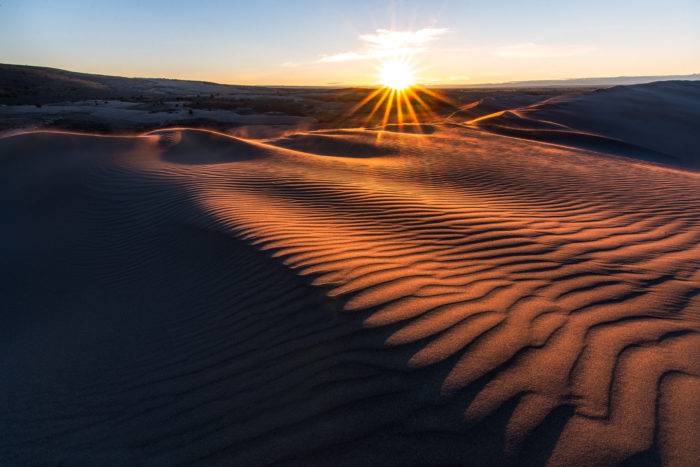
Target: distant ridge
<point>23,84</point>
<point>601,81</point>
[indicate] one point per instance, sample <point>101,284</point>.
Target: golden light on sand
<point>397,75</point>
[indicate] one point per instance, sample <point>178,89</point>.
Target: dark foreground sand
<point>345,297</point>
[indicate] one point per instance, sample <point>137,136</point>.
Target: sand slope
<point>394,298</point>
<point>657,122</point>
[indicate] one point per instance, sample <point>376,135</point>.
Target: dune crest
<point>453,297</point>
<point>656,122</point>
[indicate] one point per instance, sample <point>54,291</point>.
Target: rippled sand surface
<point>433,295</point>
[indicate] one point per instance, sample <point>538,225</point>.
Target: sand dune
<point>345,297</point>
<point>656,121</point>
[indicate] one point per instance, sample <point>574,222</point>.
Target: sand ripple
<point>410,298</point>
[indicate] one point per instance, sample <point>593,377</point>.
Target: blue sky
<point>323,42</point>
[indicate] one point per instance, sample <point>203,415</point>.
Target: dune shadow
<point>201,147</point>
<point>548,133</point>
<point>336,145</point>
<point>410,128</point>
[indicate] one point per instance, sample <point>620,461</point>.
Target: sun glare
<point>396,75</point>
<point>400,100</point>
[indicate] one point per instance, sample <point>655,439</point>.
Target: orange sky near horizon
<point>332,43</point>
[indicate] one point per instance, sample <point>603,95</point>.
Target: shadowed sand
<point>393,297</point>
<point>658,122</point>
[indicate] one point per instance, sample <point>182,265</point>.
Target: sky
<point>296,42</point>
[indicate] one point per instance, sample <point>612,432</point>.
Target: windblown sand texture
<point>658,122</point>
<point>345,297</point>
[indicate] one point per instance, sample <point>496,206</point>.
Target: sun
<point>400,99</point>
<point>396,75</point>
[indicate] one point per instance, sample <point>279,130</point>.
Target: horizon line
<point>364,85</point>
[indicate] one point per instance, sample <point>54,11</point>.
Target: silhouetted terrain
<point>20,84</point>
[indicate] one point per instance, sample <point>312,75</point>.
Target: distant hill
<point>20,84</point>
<point>657,121</point>
<point>592,82</point>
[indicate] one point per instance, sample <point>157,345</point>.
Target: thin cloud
<point>385,43</point>
<point>533,50</point>
<point>386,39</point>
<point>343,57</point>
